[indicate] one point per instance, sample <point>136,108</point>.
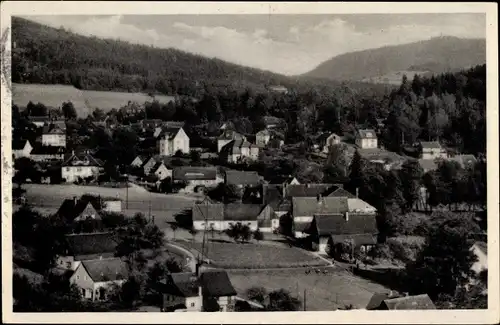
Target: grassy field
<point>48,198</point>
<point>255,256</point>
<point>83,100</point>
<point>323,292</point>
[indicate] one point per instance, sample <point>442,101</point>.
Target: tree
<point>69,110</point>
<point>239,232</point>
<point>443,266</point>
<point>411,176</point>
<point>174,227</point>
<point>258,235</point>
<point>195,156</point>
<point>357,177</point>
<point>282,300</point>
<point>258,294</point>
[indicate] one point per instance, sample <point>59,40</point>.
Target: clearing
<point>83,100</point>
<point>254,256</point>
<point>324,292</point>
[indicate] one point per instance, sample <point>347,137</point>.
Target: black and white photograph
<point>168,161</point>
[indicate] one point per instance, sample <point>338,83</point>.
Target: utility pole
<point>126,189</point>
<point>305,300</point>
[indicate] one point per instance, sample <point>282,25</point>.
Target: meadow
<point>323,292</point>
<point>83,100</point>
<point>255,256</point>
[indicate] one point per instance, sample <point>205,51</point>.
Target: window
<point>192,304</point>
<point>78,277</point>
<point>68,265</point>
<point>85,277</point>
<point>67,169</point>
<point>79,169</point>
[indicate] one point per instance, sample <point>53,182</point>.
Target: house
<point>366,139</point>
<point>428,165</point>
<point>150,162</point>
<point>340,192</point>
<point>196,177</point>
<point>80,166</point>
<point>262,137</point>
<point>480,249</point>
<point>227,136</point>
<point>307,190</point>
<point>220,217</point>
<point>21,148</point>
<point>95,278</point>
<point>419,302</point>
<point>327,230</point>
<point>39,121</point>
<point>173,139</point>
<point>47,153</point>
<point>217,291</point>
<point>139,161</point>
<point>432,150</point>
<point>238,150</point>
<point>378,297</point>
<point>169,124</point>
<point>278,89</point>
<point>331,140</point>
<point>54,134</point>
<point>84,247</point>
<point>272,122</point>
<point>150,124</point>
<point>75,210</point>
<point>161,171</point>
<point>211,291</point>
<point>242,178</point>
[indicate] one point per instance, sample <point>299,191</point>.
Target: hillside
<point>46,55</point>
<point>437,55</point>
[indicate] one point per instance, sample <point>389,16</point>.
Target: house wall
<point>148,165</point>
<point>366,143</point>
<point>25,152</point>
<point>181,142</point>
<point>56,140</point>
<point>88,213</point>
<point>254,153</point>
<point>433,153</point>
<point>137,162</point>
<point>323,245</point>
<point>106,286</point>
<point>71,173</point>
<point>221,143</point>
<point>303,219</point>
<point>112,206</point>
<point>262,140</point>
<point>221,225</point>
<point>67,262</point>
<point>84,282</point>
<point>163,172</point>
<point>46,157</point>
<point>226,303</point>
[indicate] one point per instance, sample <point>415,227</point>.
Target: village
<point>147,179</point>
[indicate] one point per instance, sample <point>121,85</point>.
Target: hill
<point>46,55</point>
<point>437,55</point>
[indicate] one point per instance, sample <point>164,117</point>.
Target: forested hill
<point>55,56</point>
<point>437,55</point>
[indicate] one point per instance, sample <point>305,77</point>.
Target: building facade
<point>171,140</point>
<point>366,139</point>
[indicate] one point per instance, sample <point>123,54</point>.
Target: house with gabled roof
<point>418,302</point>
<point>86,246</point>
<point>161,171</point>
<point>308,190</point>
<point>171,139</point>
<point>47,153</point>
<point>95,278</point>
<point>211,291</point>
<point>330,140</point>
<point>236,151</point>
<point>227,136</point>
<point>54,134</point>
<point>366,139</point>
<point>76,210</point>
<point>431,150</point>
<point>196,177</point>
<point>139,161</point>
<point>21,148</point>
<point>81,165</point>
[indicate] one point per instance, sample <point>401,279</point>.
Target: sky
<point>286,44</point>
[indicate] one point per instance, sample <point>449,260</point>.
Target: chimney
<point>347,216</point>
<point>357,191</point>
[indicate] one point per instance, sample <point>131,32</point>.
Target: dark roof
<point>336,224</point>
<point>108,269</point>
<point>47,150</point>
<point>410,302</point>
<point>430,144</point>
<point>376,300</point>
<point>367,134</point>
<point>236,177</point>
<point>71,208</point>
<point>216,284</point>
<point>308,190</point>
<point>301,226</point>
<point>53,128</point>
<point>234,146</point>
<point>428,164</point>
<point>340,192</point>
<point>39,118</point>
<point>357,239</point>
<point>157,165</point>
<point>272,195</point>
<point>187,173</point>
<point>211,212</point>
<point>82,159</point>
<point>184,284</point>
<point>310,206</point>
<point>19,144</point>
<point>170,131</point>
<point>92,243</point>
<point>229,134</point>
<point>242,211</point>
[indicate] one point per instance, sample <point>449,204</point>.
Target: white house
<point>161,171</point>
<point>366,139</point>
<point>80,166</point>
<point>432,150</point>
<point>21,149</point>
<point>330,141</point>
<point>173,139</point>
<point>262,137</point>
<point>196,177</point>
<point>238,150</point>
<point>54,134</point>
<point>95,278</point>
<point>227,136</point>
<point>138,161</point>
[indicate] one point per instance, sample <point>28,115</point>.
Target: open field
<point>48,198</point>
<point>324,292</point>
<point>255,256</point>
<point>83,100</point>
